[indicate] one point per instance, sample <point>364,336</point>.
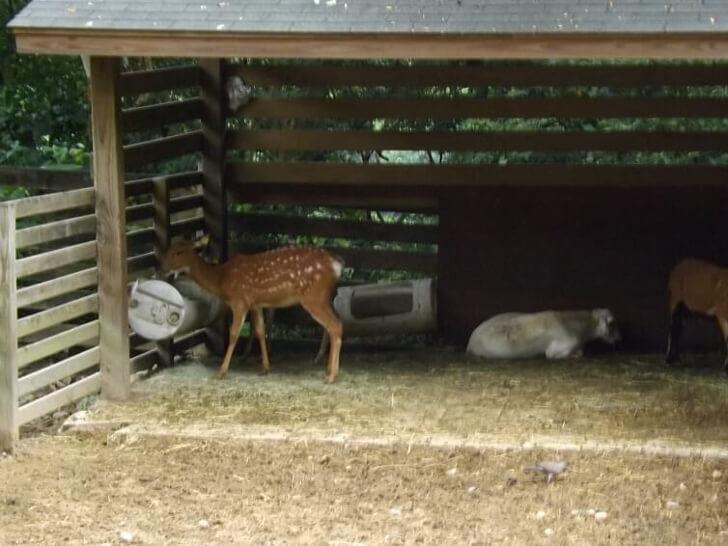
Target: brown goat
<point>700,287</point>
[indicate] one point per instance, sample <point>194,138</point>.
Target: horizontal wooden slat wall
<point>310,133</point>
<point>161,123</point>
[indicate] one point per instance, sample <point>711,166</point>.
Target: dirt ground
<point>179,485</point>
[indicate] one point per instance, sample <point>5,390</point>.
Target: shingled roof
<point>377,16</point>
<point>78,26</point>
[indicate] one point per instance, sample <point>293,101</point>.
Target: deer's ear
<point>202,242</point>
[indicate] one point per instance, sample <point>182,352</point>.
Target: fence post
<point>8,330</point>
<point>212,88</point>
<point>108,165</point>
<point>160,202</point>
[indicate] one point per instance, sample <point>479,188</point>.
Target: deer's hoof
<point>221,375</point>
<point>329,379</point>
<point>263,371</point>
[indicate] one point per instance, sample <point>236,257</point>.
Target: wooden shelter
<point>511,236</point>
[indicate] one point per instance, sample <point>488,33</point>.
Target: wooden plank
<point>483,175</point>
<point>67,395</point>
<point>111,230</point>
<point>59,342</point>
<point>57,287</point>
<point>33,177</point>
<point>52,231</point>
<point>158,115</point>
<point>392,198</point>
<point>369,259</point>
<point>491,108</point>
<point>187,227</point>
<point>8,331</point>
<point>60,370</point>
<point>189,341</point>
<point>161,204</point>
<point>161,149</point>
<point>56,258</point>
<point>54,202</point>
<point>141,262</point>
<point>480,73</point>
<point>364,45</point>
<point>215,208</point>
<point>175,182</point>
<point>179,204</point>
<point>57,315</point>
<point>345,229</point>
<point>144,361</point>
<point>536,141</point>
<point>158,79</point>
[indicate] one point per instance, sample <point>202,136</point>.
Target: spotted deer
<point>278,278</point>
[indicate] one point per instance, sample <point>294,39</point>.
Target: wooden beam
<point>8,331</point>
<point>108,161</point>
<point>54,259</point>
<point>158,79</point>
<point>491,108</point>
<point>393,198</point>
<point>51,345</point>
<point>264,224</point>
<point>481,74</point>
<point>161,149</point>
<point>60,370</point>
<point>43,204</point>
<point>215,208</point>
<point>532,141</point>
<point>158,115</point>
<point>417,177</point>
<point>160,201</point>
<point>351,45</point>
<point>56,179</point>
<point>62,397</point>
<point>57,287</point>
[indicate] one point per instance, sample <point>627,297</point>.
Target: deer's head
<point>182,254</point>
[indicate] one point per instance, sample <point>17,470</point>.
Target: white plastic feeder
<point>405,307</point>
<point>161,310</point>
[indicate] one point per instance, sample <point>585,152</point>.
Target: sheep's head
<point>606,327</point>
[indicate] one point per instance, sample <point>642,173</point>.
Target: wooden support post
<point>108,163</point>
<point>160,201</point>
<point>213,169</point>
<point>8,331</point>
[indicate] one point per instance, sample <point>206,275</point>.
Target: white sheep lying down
<point>556,334</point>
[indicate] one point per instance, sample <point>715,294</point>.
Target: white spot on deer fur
<point>309,269</point>
<point>318,265</point>
<point>317,277</point>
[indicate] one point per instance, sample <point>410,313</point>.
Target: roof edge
<point>145,43</point>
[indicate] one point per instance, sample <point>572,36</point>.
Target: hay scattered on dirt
<point>82,490</point>
<point>439,391</point>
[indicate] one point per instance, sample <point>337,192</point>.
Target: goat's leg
<point>673,339</point>
<point>238,318</point>
<point>324,314</point>
<point>259,327</point>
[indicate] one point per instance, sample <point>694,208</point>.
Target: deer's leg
<point>724,329</point>
<point>259,327</point>
<point>673,339</point>
<point>248,347</point>
<point>323,347</point>
<point>322,312</point>
<point>238,318</point>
